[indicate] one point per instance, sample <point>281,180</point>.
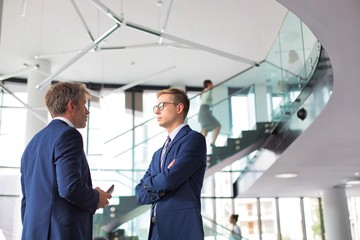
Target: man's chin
<point>161,124</point>
<point>80,126</point>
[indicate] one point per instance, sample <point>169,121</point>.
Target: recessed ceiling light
<point>352,181</point>
<point>286,175</point>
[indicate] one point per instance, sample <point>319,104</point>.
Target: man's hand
<point>171,164</point>
<point>103,198</point>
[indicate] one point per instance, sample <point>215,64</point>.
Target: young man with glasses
<point>172,183</point>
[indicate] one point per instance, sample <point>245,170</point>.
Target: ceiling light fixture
<point>117,19</point>
<point>286,175</point>
<point>77,57</point>
<point>352,181</point>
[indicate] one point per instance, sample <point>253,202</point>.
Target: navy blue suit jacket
<point>176,191</point>
<point>58,199</point>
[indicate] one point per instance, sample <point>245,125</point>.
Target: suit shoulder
<point>196,134</point>
<point>57,130</point>
<point>191,131</point>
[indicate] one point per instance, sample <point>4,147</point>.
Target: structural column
<point>336,214</point>
<point>37,114</point>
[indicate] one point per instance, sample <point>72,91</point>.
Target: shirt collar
<point>172,135</point>
<point>65,120</point>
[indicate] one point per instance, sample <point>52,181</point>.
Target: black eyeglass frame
<point>161,106</point>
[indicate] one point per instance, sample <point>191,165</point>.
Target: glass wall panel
<point>115,121</point>
<point>268,218</point>
<point>11,226</point>
<point>290,221</point>
<point>208,205</point>
<point>192,118</point>
<point>12,133</point>
<point>12,136</point>
<point>108,122</point>
<point>243,115</point>
<point>224,208</point>
<point>93,133</point>
<point>354,212</point>
<point>312,219</point>
<point>223,183</point>
<point>248,217</point>
<point>148,101</point>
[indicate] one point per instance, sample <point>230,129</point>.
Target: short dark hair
<point>180,96</point>
<point>206,83</point>
<point>235,217</point>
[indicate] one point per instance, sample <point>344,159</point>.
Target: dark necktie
<point>166,145</point>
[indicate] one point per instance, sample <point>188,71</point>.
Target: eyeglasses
<point>161,106</point>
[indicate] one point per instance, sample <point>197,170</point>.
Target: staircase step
<point>234,144</point>
<point>250,137</point>
<point>212,160</point>
<point>222,152</point>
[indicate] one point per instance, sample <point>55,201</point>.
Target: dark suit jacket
<point>58,199</point>
<point>176,191</point>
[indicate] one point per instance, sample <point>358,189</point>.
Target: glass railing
<point>239,104</point>
<point>216,231</point>
<point>256,95</point>
<point>259,94</point>
<point>212,229</point>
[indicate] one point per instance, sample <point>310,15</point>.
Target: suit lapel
<point>183,131</point>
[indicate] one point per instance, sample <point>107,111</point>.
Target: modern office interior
<point>286,85</point>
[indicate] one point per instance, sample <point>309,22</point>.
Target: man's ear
<point>70,106</point>
<point>180,107</point>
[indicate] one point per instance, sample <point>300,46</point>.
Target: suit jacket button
<point>146,186</point>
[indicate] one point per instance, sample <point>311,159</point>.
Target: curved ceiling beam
<point>77,57</point>
<point>118,19</point>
